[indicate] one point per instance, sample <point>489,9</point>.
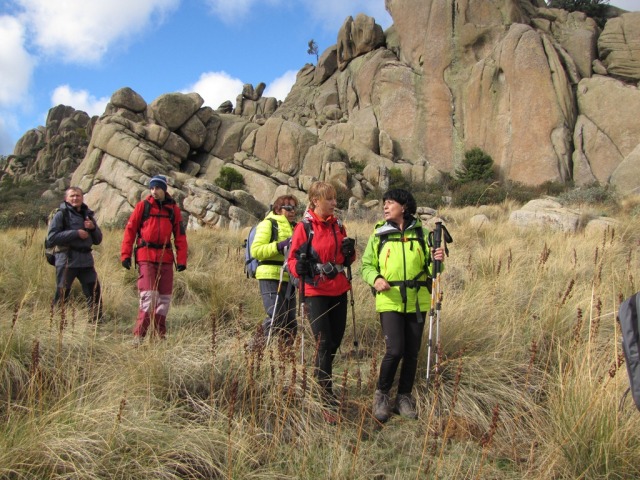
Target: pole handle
<point>437,241</point>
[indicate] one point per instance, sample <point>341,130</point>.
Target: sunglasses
<point>289,208</point>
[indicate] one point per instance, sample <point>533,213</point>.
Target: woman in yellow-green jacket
<point>396,263</point>
<point>269,247</point>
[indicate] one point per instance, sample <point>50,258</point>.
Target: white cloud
<point>83,31</point>
<point>229,11</point>
<point>216,88</point>
<point>16,65</point>
<point>79,99</point>
<point>281,86</point>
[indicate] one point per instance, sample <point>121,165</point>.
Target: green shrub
<point>230,179</point>
<point>356,166</point>
<point>343,195</point>
<point>593,194</point>
<point>428,194</point>
<point>554,188</point>
<point>596,9</point>
<point>478,193</point>
<point>476,166</point>
<point>397,180</point>
<point>521,193</point>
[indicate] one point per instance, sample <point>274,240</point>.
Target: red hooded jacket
<point>156,230</point>
<point>326,244</point>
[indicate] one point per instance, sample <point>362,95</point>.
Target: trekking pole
<point>435,300</point>
<point>275,305</point>
<point>353,311</point>
<point>441,236</point>
<point>302,307</point>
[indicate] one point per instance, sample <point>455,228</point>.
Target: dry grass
<point>528,378</point>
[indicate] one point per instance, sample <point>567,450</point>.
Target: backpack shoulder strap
<point>308,229</point>
<point>274,229</point>
<point>66,222</point>
<point>146,213</point>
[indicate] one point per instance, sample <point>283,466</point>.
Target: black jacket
<point>78,254</point>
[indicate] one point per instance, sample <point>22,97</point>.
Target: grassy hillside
<point>528,383</point>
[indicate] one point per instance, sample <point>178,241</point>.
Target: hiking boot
<point>405,406</point>
<point>137,341</point>
<point>381,408</point>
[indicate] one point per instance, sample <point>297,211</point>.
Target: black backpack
<point>628,317</point>
<point>251,264</point>
<point>51,250</point>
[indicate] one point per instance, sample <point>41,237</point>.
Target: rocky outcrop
<point>541,90</point>
<point>619,46</point>
<point>605,139</point>
<point>548,213</point>
<point>55,150</point>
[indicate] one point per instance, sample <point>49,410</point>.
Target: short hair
<point>321,190</point>
<point>404,198</point>
<point>73,189</point>
<point>283,200</point>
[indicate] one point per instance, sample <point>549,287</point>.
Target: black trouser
<point>88,278</point>
<point>284,321</point>
<point>328,318</point>
<point>402,336</point>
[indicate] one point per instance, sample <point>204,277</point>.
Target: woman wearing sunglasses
<point>269,247</point>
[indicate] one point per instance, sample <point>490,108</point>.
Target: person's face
<point>74,198</point>
<point>325,206</point>
<point>157,193</point>
<point>289,211</point>
<point>393,211</point>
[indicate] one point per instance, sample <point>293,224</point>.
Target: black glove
<point>126,263</point>
<point>284,244</point>
<point>348,248</point>
<point>181,268</point>
<point>303,268</point>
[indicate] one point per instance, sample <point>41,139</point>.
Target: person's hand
<point>89,224</point>
<point>438,254</point>
<point>303,268</point>
<point>348,248</point>
<point>284,244</point>
<point>126,263</point>
<point>381,284</point>
<point>83,234</point>
<point>181,268</point>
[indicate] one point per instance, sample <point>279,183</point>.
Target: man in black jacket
<point>74,230</point>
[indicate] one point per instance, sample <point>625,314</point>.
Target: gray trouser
<point>285,318</point>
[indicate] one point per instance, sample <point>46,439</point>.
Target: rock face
<point>541,90</point>
<point>619,46</point>
<point>55,150</point>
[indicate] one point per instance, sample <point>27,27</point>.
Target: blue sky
<point>78,52</point>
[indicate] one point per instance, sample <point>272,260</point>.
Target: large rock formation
<point>55,150</point>
<point>541,90</point>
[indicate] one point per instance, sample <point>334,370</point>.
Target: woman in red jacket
<point>320,252</point>
<point>150,227</point>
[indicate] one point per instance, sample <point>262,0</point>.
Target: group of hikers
<point>73,230</point>
<point>313,256</point>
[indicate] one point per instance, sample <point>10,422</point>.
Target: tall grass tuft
<point>528,382</point>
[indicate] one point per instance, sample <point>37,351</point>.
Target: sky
<point>79,52</point>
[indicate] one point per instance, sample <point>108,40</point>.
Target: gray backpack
<point>628,317</point>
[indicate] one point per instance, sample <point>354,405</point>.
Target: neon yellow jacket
<point>263,248</point>
<point>400,259</point>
